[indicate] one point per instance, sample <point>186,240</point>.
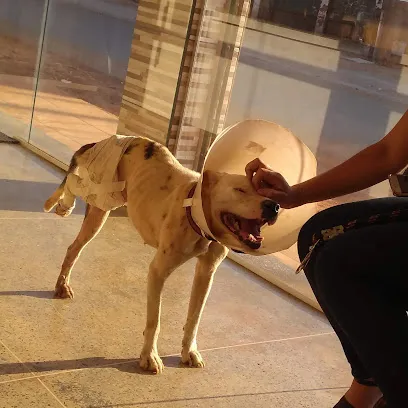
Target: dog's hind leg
<point>160,269</point>
<point>92,224</point>
<point>206,266</point>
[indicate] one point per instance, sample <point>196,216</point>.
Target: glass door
<point>82,68</point>
<point>21,28</point>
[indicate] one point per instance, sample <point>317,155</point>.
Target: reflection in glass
<point>332,71</point>
<point>83,67</point>
<point>21,24</point>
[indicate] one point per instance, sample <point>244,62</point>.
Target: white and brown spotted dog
<point>156,186</point>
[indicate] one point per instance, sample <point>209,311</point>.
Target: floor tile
<point>107,317</point>
<point>26,181</point>
<point>261,346</point>
<point>26,394</point>
<point>299,373</point>
<point>10,367</point>
<point>20,164</point>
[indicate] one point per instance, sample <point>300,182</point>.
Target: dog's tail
<point>55,197</point>
<point>59,192</point>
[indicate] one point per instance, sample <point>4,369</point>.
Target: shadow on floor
<point>217,397</point>
<point>30,196</point>
<point>125,365</point>
<point>41,294</point>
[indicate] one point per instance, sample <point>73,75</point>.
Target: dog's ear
<point>210,178</point>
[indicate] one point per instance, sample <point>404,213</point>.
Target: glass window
<point>21,27</point>
<point>333,72</point>
<point>83,64</point>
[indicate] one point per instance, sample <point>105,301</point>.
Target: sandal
<point>382,403</point>
<point>343,403</point>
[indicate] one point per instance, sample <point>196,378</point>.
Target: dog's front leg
<point>93,222</point>
<point>206,266</point>
<point>160,269</point>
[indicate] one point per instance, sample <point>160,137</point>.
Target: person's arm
<point>368,167</point>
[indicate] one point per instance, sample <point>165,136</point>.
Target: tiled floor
<point>262,347</point>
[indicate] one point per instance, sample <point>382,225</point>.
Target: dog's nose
<point>270,209</point>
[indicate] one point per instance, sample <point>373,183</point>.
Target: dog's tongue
<point>250,230</point>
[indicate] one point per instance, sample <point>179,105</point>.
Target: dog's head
<point>234,211</point>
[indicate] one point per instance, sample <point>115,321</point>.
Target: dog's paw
<point>151,362</point>
<point>63,211</point>
<point>63,291</point>
<point>192,358</point>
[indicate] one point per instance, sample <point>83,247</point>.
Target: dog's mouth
<point>246,230</point>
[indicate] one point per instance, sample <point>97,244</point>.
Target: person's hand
<point>271,184</point>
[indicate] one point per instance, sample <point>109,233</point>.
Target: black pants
<point>360,279</point>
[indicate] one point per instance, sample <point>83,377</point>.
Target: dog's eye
<point>240,190</point>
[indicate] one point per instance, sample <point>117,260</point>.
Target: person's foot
<point>362,396</point>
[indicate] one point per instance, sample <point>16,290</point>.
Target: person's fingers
<point>253,166</point>
<point>258,178</point>
<point>265,178</point>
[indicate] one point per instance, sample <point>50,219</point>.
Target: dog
<point>156,186</point>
